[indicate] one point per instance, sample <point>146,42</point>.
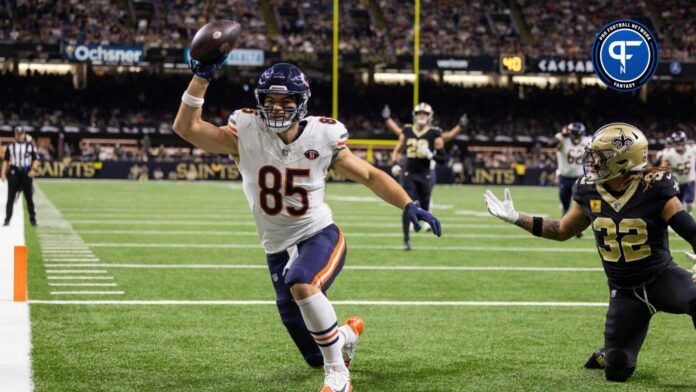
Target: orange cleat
<point>357,325</point>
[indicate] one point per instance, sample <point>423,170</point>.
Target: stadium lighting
<point>394,77</point>
<point>467,79</point>
<point>25,67</point>
<point>540,81</point>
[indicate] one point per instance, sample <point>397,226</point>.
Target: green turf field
<point>196,242</point>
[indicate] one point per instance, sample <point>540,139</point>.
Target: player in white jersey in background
<point>659,156</point>
<point>569,150</point>
<point>284,157</point>
<point>680,160</point>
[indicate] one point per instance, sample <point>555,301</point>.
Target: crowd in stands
<point>567,28</point>
<point>144,99</point>
<point>679,20</point>
<point>448,27</point>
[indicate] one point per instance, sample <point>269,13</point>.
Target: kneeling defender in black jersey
<point>629,208</point>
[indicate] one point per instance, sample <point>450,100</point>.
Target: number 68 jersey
<point>630,234</point>
<point>285,184</point>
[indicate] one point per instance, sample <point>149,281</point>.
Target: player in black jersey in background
<point>422,143</point>
<point>447,136</point>
<point>629,208</point>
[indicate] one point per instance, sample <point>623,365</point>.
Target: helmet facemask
<point>595,166</point>
<point>279,121</point>
<point>422,120</point>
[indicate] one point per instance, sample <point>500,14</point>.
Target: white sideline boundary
<point>348,267</point>
<point>15,325</point>
<point>347,302</point>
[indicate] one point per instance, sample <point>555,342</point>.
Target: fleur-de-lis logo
<point>622,142</point>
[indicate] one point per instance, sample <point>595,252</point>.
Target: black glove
<point>415,214</point>
<point>208,69</point>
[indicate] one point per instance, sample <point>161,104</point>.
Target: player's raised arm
<point>358,170</point>
<point>396,153</point>
<point>189,125</point>
<point>207,46</point>
<point>572,223</point>
<point>391,124</point>
<point>452,133</point>
<point>559,138</point>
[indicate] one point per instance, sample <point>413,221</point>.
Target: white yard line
<point>445,248</point>
<point>250,223</point>
<point>347,267</point>
<point>216,218</point>
<point>15,325</point>
<point>362,303</point>
<point>83,284</point>
<point>51,253</point>
<point>61,260</point>
<point>216,233</point>
<point>79,277</point>
<point>61,244</point>
<point>86,292</point>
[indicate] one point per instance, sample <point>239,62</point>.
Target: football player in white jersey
<point>659,156</point>
<point>569,150</point>
<point>284,157</point>
<point>680,160</point>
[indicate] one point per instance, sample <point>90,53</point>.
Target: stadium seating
<point>466,28</point>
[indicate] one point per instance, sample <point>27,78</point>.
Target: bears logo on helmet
<point>282,78</point>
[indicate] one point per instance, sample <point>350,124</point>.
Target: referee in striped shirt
<point>18,166</point>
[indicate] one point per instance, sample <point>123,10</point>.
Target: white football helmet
<point>422,108</point>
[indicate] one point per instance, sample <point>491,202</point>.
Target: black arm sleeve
<point>683,224</point>
<point>7,153</point>
<point>34,157</point>
<point>440,156</point>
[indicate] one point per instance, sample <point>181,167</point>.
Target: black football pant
<point>629,314</point>
<point>18,181</point>
<point>419,186</point>
<point>565,191</point>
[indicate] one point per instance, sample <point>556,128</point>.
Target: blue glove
<point>414,213</point>
<point>208,69</point>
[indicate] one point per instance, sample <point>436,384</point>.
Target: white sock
<point>348,334</point>
<point>320,318</point>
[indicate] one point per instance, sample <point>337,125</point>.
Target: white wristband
<point>192,101</point>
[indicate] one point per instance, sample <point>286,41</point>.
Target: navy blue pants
<point>320,259</point>
<point>565,191</point>
<point>629,316</point>
<point>686,193</point>
<point>419,187</point>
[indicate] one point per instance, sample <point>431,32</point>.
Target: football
<point>214,39</point>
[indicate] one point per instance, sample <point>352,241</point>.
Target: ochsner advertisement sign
<point>103,54</point>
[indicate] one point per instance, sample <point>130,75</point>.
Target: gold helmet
<point>423,108</point>
<point>615,149</point>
